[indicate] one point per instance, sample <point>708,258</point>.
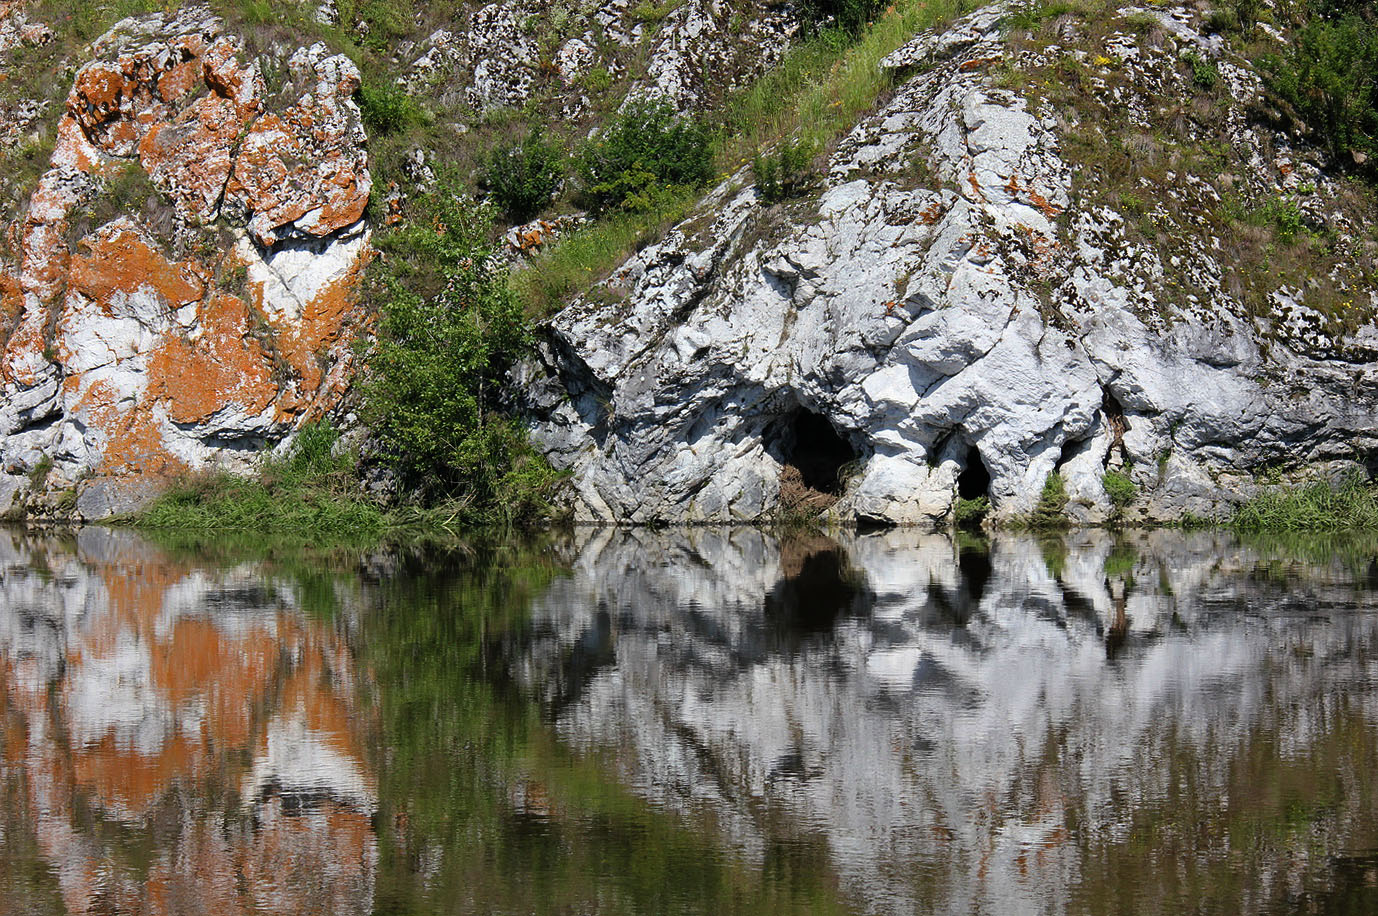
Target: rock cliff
<point>1020,264</point>
<point>1079,241</point>
<point>178,295</point>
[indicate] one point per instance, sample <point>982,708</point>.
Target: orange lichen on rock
<point>135,444</point>
<point>322,325</point>
<point>304,172</point>
<point>193,380</point>
<point>1032,196</point>
<point>123,261</point>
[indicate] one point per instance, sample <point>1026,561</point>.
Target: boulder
<point>149,345</point>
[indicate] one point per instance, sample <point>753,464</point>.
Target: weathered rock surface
<point>182,291</point>
<point>944,316</point>
<point>499,58</point>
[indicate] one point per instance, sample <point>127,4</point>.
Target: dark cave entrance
<point>813,457</point>
<point>974,480</point>
<point>817,451</point>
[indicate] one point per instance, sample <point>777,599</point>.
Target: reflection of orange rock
<point>178,691</point>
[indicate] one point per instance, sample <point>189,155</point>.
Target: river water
<point>712,721</point>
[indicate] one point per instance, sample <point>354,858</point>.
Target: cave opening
<point>816,452</point>
<point>974,480</point>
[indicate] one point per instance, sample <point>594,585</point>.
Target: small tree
<point>785,172</point>
<point>1330,76</point>
<point>449,330</point>
<point>849,15</point>
<point>523,176</point>
<point>1052,504</point>
<point>648,147</point>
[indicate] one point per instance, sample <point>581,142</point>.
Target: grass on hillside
<point>1319,506</point>
<point>815,94</point>
<point>313,488</point>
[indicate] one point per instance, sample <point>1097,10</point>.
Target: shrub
<point>1246,13</point>
<point>1204,73</point>
<point>523,176</point>
<point>1032,15</point>
<point>1052,503</point>
<point>785,172</point>
<point>849,15</point>
<point>1284,215</point>
<point>387,109</point>
<point>647,149</point>
<point>971,511</point>
<point>450,329</point>
<point>1330,77</point>
<point>1120,488</point>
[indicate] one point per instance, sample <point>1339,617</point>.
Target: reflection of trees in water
<point>494,816</point>
<point>971,728</point>
<point>177,736</point>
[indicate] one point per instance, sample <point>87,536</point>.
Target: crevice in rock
<point>1118,424</point>
<point>1070,449</point>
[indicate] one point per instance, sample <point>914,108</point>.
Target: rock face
<point>951,313</point>
<point>507,49</point>
<point>181,292</point>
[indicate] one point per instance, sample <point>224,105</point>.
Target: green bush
<point>1283,214</point>
<point>785,172</point>
<point>450,329</point>
<point>1032,15</point>
<point>1330,77</point>
<point>647,149</point>
<point>1246,13</point>
<point>523,176</point>
<point>969,512</point>
<point>1052,504</point>
<point>849,15</point>
<point>1120,488</point>
<point>387,109</point>
<point>1204,73</point>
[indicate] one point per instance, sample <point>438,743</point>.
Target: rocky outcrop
<point>508,50</point>
<point>181,296</point>
<point>955,312</point>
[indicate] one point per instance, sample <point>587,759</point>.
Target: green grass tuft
<point>1350,505</point>
<point>1052,504</point>
<point>970,512</point>
<point>1121,490</point>
<point>312,489</point>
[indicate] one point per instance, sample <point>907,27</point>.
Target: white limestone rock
<point>941,303</point>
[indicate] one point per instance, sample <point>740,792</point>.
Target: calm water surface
<point>709,722</point>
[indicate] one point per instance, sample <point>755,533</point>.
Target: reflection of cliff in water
<point>179,738</point>
<point>967,729</point>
